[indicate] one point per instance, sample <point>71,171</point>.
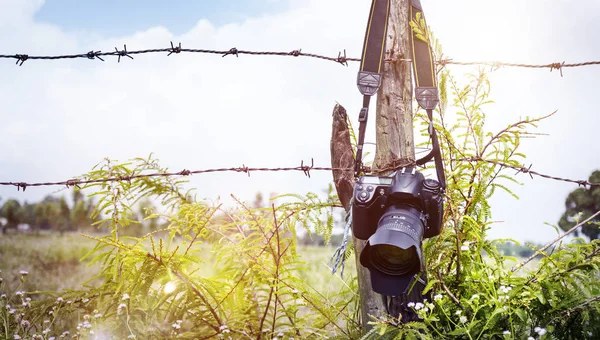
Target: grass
<point>53,263</point>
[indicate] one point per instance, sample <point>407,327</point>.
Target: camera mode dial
<point>431,185</point>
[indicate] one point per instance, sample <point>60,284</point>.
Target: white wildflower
<point>458,312</point>
<point>179,321</point>
<point>280,334</point>
<point>25,323</point>
<point>411,304</point>
<point>7,307</point>
<point>16,336</point>
<point>464,248</point>
<point>125,296</point>
<point>419,305</point>
<point>85,300</point>
<point>530,338</point>
<point>506,332</point>
<point>120,308</point>
<point>46,331</point>
<point>438,297</point>
<point>475,296</point>
<point>46,321</point>
<point>176,326</point>
<point>19,292</point>
<point>12,311</point>
<point>542,331</point>
<point>131,336</point>
<point>24,272</point>
<point>59,300</point>
<point>97,316</point>
<point>3,296</point>
<point>536,329</point>
<point>91,332</point>
<point>463,319</point>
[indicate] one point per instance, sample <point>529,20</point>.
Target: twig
<point>554,241</point>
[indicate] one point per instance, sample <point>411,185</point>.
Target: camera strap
<point>369,76</point>
<point>426,91</point>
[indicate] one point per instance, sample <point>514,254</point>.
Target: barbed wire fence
<point>306,169</point>
<point>342,58</point>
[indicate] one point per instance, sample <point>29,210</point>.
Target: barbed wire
<point>527,170</point>
<point>342,58</point>
<point>306,169</point>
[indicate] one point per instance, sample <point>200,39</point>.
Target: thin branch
<point>570,231</point>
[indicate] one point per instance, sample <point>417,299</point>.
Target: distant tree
<point>583,202</point>
<point>11,210</point>
<point>50,215</point>
<point>64,216</point>
<point>77,196</point>
<point>80,216</point>
<point>27,213</point>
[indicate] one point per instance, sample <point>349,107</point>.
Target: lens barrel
<point>393,253</point>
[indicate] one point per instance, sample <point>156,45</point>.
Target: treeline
<point>61,214</point>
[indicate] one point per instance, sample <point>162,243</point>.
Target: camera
<point>395,214</point>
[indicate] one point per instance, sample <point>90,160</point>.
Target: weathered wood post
<point>395,141</point>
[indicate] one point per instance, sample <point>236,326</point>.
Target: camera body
<point>373,195</point>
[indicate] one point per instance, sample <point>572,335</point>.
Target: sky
<point>60,118</point>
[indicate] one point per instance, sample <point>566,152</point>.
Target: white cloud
<point>59,118</point>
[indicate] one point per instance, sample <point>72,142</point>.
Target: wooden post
<point>395,141</point>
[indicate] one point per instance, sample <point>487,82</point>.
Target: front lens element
<point>393,260</point>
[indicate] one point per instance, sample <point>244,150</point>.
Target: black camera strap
<point>426,91</point>
<point>369,76</point>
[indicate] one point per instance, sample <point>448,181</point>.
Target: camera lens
<point>393,260</point>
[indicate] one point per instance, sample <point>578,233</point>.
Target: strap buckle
<point>363,115</point>
<point>368,82</point>
<point>427,97</point>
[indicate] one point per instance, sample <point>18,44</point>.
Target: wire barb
<point>557,66</point>
<point>233,51</point>
<point>175,49</point>
<point>342,59</point>
<point>92,55</point>
<point>21,58</point>
<point>122,53</point>
<point>306,169</point>
<point>296,53</point>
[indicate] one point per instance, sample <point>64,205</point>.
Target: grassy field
<point>53,263</point>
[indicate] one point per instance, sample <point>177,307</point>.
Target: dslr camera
<point>395,214</point>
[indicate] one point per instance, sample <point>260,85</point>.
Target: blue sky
<point>60,118</point>
<point>119,17</point>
